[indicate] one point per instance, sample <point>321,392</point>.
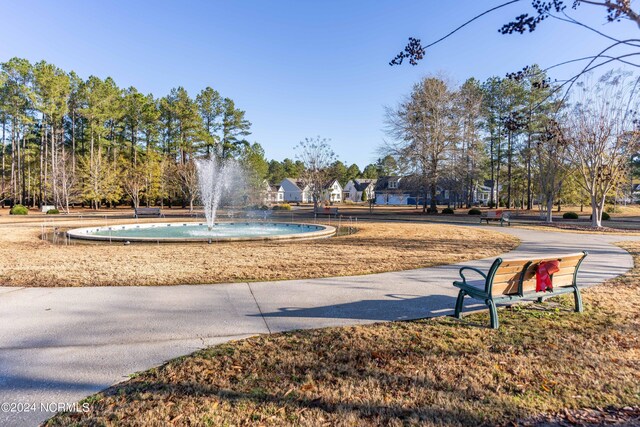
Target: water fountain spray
<point>215,178</point>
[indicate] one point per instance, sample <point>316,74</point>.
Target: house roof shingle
<point>363,184</point>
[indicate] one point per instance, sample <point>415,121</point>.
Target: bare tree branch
<point>414,51</point>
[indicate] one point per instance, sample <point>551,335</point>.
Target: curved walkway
<point>58,345</point>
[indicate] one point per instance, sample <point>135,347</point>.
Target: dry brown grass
<point>434,372</point>
<point>376,247</point>
<point>626,229</point>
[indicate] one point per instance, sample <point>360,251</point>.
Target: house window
<point>393,184</point>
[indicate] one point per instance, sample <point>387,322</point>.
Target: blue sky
<point>299,68</point>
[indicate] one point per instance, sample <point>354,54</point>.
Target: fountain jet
<point>215,178</point>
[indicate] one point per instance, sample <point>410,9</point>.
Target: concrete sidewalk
<point>58,345</point>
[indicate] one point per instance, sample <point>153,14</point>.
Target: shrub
<point>475,211</point>
<point>19,210</point>
<point>432,210</point>
<point>447,211</point>
<point>282,207</point>
<point>611,209</point>
<point>256,208</point>
<point>570,215</point>
<point>53,212</point>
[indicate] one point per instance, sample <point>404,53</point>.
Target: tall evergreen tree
<point>234,128</point>
<point>210,107</point>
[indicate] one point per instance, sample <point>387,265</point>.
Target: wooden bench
<point>497,215</point>
<point>510,280</point>
<point>327,211</point>
<point>140,212</point>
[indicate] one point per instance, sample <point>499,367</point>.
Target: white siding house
<point>333,192</point>
<point>388,191</point>
<point>354,188</point>
<point>483,192</point>
<point>295,191</point>
<point>483,195</point>
<point>273,193</point>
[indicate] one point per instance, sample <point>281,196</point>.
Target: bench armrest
<point>464,279</point>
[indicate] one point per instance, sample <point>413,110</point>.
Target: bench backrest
<point>327,210</point>
<point>493,214</point>
<point>147,211</point>
<point>507,277</point>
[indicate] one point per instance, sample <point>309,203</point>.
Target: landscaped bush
<point>432,210</point>
<point>282,207</point>
<point>475,211</point>
<point>570,215</point>
<point>447,211</point>
<point>256,208</point>
<point>19,210</point>
<point>611,209</point>
<point>53,212</point>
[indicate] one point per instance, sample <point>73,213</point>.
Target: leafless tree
<point>470,147</point>
<point>317,156</point>
<point>64,181</point>
<point>134,182</point>
<point>186,176</point>
<point>424,128</point>
<point>552,161</point>
<point>603,133</point>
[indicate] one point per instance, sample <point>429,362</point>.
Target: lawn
<point>585,228</point>
<point>375,247</point>
<point>544,363</point>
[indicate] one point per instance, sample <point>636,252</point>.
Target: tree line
<point>71,140</point>
<point>522,137</point>
<point>68,140</point>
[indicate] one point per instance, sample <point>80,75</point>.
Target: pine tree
<point>210,108</point>
<point>234,128</point>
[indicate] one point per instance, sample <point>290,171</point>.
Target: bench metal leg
<point>459,302</point>
<point>493,312</point>
<point>578,300</point>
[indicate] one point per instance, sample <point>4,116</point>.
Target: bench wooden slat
<point>551,257</point>
<point>511,286</point>
<point>503,278</point>
<point>564,271</point>
<point>505,288</point>
<point>530,284</point>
